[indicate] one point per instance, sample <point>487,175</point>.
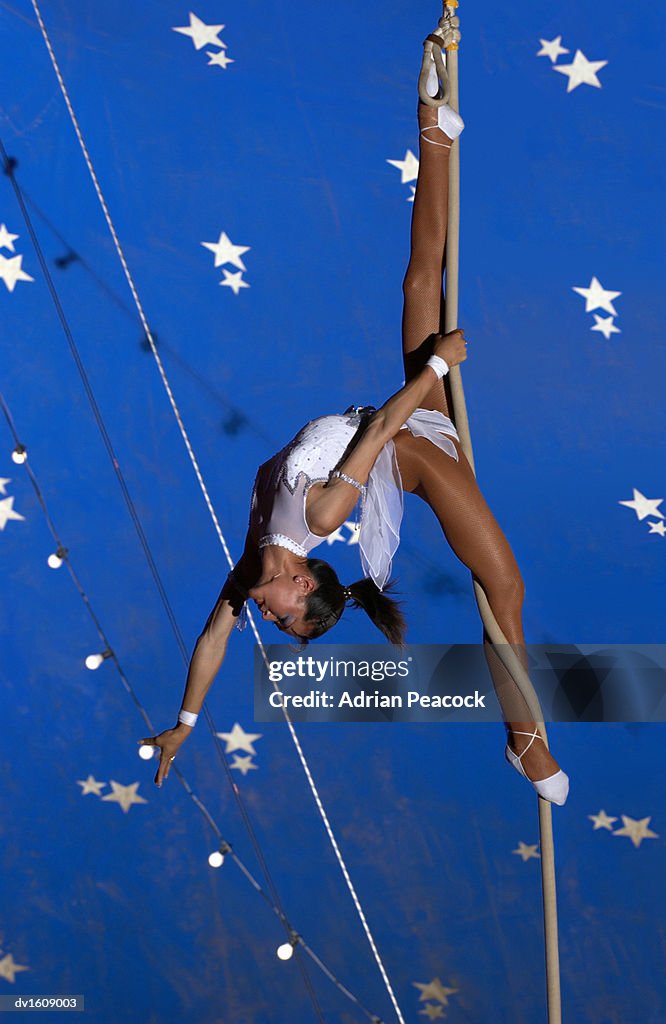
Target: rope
<point>209,504</point>
<point>501,644</point>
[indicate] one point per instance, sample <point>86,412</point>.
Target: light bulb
<point>54,561</point>
<point>216,859</point>
<point>146,751</point>
<point>19,455</point>
<point>93,661</point>
<point>285,951</point>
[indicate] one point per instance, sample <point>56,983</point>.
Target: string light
<point>20,454</point>
<point>56,559</point>
<point>286,950</point>
<point>93,661</point>
<point>216,858</point>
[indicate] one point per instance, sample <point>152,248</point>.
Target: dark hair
<point>325,605</point>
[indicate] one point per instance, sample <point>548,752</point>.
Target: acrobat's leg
<point>422,285</point>
<point>451,490</point>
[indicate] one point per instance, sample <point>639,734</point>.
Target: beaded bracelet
<point>350,480</point>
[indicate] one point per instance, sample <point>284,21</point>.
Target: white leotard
<point>279,495</point>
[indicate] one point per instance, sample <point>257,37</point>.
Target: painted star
<point>11,272</point>
<point>234,281</point>
<point>551,48</point>
<point>409,167</point>
<point>201,34</point>
<point>6,239</point>
<point>244,764</point>
<point>410,199</point>
<point>597,297</point>
<point>658,527</point>
<point>4,480</point>
<point>125,795</point>
<point>220,59</point>
<point>355,530</point>
<point>605,325</point>
<point>434,990</point>
<point>336,535</point>
<point>526,852</point>
<point>226,252</point>
<point>7,512</point>
<point>636,830</point>
<point>641,505</point>
<point>90,785</point>
<point>582,71</point>
<point>238,739</point>
<point>9,968</point>
<point>432,1011</point>
<point>601,820</point>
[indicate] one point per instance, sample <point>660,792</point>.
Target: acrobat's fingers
<point>163,770</point>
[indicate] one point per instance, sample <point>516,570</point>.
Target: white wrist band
<point>187,717</point>
<point>439,365</point>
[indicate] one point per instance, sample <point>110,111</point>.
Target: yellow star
<point>637,830</point>
<point>601,820</point>
<point>525,851</point>
<point>125,795</point>
<point>90,785</point>
<point>431,1011</point>
<point>434,990</point>
<point>8,968</point>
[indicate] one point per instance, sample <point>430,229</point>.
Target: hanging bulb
<point>216,858</point>
<point>56,559</point>
<point>146,751</point>
<point>93,661</point>
<point>286,950</point>
<point>19,455</point>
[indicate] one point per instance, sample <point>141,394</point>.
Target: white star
<point>226,252</point>
<point>238,739</point>
<point>658,527</point>
<point>409,167</point>
<point>643,506</point>
<point>244,764</point>
<point>582,71</point>
<point>434,990</point>
<point>355,531</point>
<point>551,48</point>
<point>336,535</point>
<point>7,512</point>
<point>4,480</point>
<point>9,967</point>
<point>601,820</point>
<point>90,785</point>
<point>636,830</point>
<point>6,239</point>
<point>220,58</point>
<point>11,272</point>
<point>234,281</point>
<point>525,852</point>
<point>605,325</point>
<point>202,34</point>
<point>125,795</point>
<point>410,199</point>
<point>597,297</point>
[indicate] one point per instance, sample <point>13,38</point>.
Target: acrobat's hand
<point>451,346</point>
<point>169,743</point>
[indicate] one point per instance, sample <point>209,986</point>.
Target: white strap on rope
<point>209,504</point>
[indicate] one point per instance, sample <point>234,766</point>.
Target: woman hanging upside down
<point>310,488</point>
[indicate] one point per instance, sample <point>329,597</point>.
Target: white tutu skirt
<point>382,509</point>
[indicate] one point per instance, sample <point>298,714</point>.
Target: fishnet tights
<point>449,487</point>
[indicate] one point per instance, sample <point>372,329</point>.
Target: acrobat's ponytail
<point>383,610</point>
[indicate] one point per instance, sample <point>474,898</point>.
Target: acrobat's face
<point>282,600</point>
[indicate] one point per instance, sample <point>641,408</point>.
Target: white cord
<point>209,504</point>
